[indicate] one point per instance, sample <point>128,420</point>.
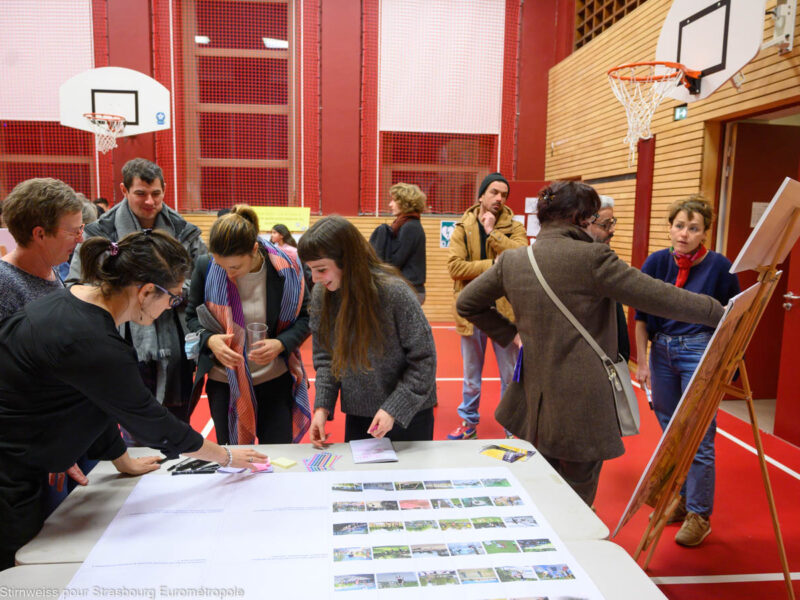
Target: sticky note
<point>284,463</point>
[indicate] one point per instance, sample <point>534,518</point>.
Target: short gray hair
<point>606,202</point>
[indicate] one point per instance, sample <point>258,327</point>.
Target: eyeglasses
<point>604,225</point>
<point>174,300</point>
<point>74,232</point>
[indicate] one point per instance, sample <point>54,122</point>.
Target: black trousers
<point>419,429</point>
<point>274,400</point>
<point>582,477</point>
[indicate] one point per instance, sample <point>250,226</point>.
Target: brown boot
<point>694,530</point>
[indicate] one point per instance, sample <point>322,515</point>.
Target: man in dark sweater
<point>602,230</point>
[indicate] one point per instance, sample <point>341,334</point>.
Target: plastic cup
<point>255,333</point>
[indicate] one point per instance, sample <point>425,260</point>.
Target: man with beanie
<point>485,231</point>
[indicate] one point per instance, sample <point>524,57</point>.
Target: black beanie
<point>489,180</point>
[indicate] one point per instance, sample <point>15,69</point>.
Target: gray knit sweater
<point>403,377</point>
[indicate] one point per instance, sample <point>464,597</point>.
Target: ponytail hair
<point>236,233</point>
<point>570,202</point>
<point>141,257</point>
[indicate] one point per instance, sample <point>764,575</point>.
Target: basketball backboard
<point>716,37</point>
<point>141,100</point>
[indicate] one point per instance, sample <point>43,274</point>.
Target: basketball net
<point>106,129</point>
<point>641,87</point>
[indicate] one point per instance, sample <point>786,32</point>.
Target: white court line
<point>748,447</point>
<point>752,450</point>
<point>744,578</point>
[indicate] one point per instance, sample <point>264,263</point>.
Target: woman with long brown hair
<point>371,340</point>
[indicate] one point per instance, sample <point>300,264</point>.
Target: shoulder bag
<point>625,402</point>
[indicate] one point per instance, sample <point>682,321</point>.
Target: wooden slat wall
<point>586,124</point>
<point>439,287</point>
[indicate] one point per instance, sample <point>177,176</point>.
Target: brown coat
<point>571,412</point>
<point>464,260</point>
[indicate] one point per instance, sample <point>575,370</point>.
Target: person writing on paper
<point>571,416</point>
<point>372,343</point>
<point>248,281</point>
<point>55,405</point>
<point>677,347</point>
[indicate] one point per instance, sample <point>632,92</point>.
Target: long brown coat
<point>570,403</point>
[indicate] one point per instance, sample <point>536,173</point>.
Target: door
<point>763,156</point>
<point>787,407</point>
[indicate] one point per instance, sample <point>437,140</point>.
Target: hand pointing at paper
<point>381,424</point>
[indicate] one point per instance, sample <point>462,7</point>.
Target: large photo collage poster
<point>455,533</point>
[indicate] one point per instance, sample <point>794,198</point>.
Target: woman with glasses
<point>677,347</point>
<point>44,217</point>
<point>570,413</point>
<point>373,345</point>
<point>256,389</point>
<point>55,404</point>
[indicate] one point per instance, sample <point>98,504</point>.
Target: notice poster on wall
<point>438,533</point>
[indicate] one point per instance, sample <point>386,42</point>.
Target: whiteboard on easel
<point>762,246</point>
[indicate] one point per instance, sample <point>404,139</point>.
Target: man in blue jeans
<point>486,230</point>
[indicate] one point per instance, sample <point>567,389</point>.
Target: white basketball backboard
<point>141,100</point>
<point>716,37</point>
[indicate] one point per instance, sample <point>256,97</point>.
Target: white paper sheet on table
<point>438,533</point>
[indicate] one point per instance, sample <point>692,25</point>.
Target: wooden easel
<point>661,484</point>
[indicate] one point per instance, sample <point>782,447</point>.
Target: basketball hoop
<point>106,129</point>
<point>641,87</point>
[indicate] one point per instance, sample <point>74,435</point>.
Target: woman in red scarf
<point>677,348</point>
<point>402,244</point>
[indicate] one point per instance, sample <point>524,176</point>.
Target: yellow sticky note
<point>283,463</point>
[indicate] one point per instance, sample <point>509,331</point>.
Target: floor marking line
<point>207,429</point>
<point>750,448</point>
<point>743,578</point>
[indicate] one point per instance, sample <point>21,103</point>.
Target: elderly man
<point>486,230</point>
<point>602,230</point>
<point>162,361</point>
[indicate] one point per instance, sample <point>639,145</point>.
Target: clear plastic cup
<point>255,333</point>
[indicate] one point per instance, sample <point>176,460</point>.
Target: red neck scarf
<point>401,220</point>
<point>685,262</point>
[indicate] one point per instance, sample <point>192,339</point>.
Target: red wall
<point>130,45</point>
<point>546,38</point>
<point>340,80</point>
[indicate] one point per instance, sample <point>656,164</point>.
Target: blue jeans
<point>473,353</point>
<point>673,361</point>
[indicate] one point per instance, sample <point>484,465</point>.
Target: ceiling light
<point>274,44</point>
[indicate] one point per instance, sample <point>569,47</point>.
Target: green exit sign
<point>680,112</point>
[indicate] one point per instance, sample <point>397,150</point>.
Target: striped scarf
<point>222,300</point>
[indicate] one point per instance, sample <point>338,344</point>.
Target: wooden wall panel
<point>586,124</point>
<point>439,287</point>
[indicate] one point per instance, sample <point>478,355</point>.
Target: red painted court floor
<point>738,560</point>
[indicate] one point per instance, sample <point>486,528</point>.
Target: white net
<point>641,88</point>
<point>106,129</point>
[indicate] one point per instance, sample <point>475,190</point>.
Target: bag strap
<point>603,356</point>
